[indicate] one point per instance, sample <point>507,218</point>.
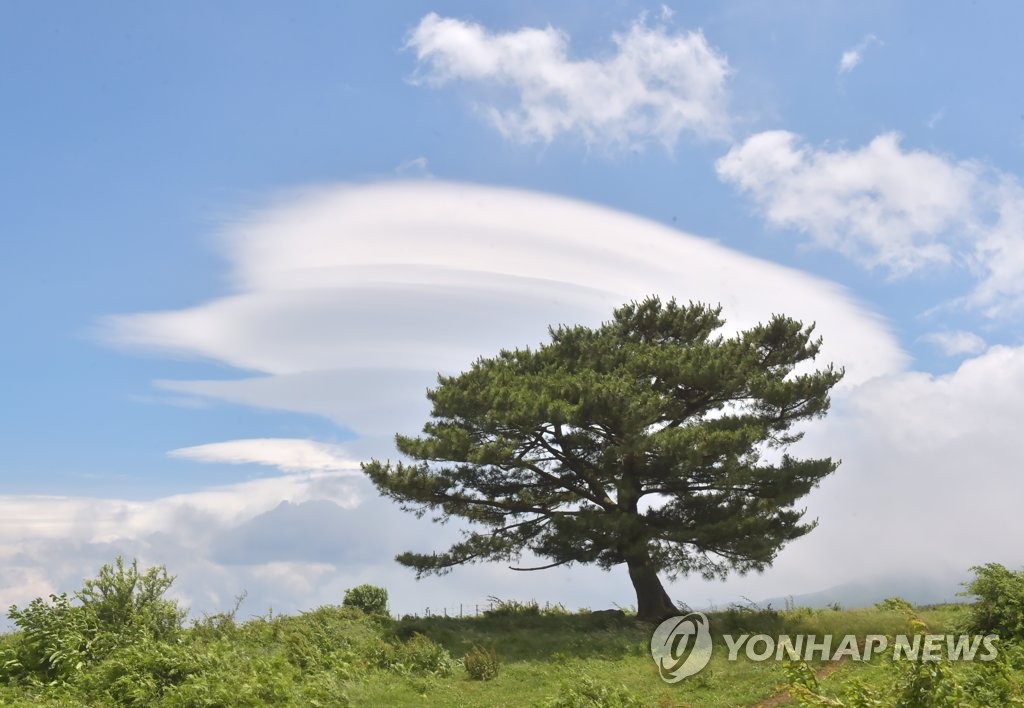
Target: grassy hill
<point>123,645</point>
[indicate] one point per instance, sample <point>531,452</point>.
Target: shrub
<point>420,655</point>
<point>139,674</point>
<point>56,639</point>
<point>237,674</point>
<point>929,684</point>
<point>999,682</point>
<point>587,692</point>
<point>999,603</point>
<point>894,604</point>
<point>120,607</point>
<point>332,639</point>
<point>371,599</point>
<point>423,655</point>
<point>481,664</point>
<point>123,599</point>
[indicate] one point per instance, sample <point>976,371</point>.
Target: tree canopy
<point>652,441</point>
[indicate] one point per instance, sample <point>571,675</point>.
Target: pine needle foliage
<point>653,441</point>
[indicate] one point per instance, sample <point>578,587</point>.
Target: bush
<point>894,604</point>
<point>124,599</point>
<point>420,655</point>
<point>999,604</point>
<point>587,692</point>
<point>139,674</point>
<point>481,664</point>
<point>120,607</point>
<point>56,639</point>
<point>371,599</point>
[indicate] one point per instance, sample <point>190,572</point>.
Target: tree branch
<point>541,567</point>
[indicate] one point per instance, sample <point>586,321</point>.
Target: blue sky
<point>197,194</point>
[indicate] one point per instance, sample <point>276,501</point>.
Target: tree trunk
<point>652,602</point>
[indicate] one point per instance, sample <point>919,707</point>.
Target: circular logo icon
<point>681,646</point>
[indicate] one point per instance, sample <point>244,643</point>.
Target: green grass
<point>337,656</point>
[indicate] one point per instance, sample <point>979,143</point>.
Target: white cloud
<point>880,205</point>
<point>855,55</point>
<point>49,543</point>
<point>892,208</point>
<point>998,251</point>
<point>417,167</point>
<point>955,343</point>
<point>928,485</point>
<point>291,543</point>
<point>288,455</point>
<point>655,86</point>
<point>103,520</point>
<point>349,300</point>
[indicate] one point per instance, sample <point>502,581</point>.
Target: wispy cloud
<point>892,208</point>
<point>935,118</point>
<point>852,57</point>
<point>956,342</point>
<point>417,167</point>
<point>657,84</point>
<point>286,454</point>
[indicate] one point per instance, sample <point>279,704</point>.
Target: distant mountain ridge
<point>918,590</point>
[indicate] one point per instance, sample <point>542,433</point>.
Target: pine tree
<point>651,441</point>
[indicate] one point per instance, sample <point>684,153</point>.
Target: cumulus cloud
<point>49,543</point>
<point>997,256</point>
<point>880,204</point>
<point>892,208</point>
<point>290,543</point>
<point>656,85</point>
<point>286,454</point>
<point>918,447</point>
<point>957,342</point>
<point>316,531</point>
<point>925,489</point>
<point>855,55</point>
<point>104,520</point>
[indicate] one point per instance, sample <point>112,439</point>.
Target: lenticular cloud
<point>348,300</point>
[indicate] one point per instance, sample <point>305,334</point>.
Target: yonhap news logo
<point>681,646</point>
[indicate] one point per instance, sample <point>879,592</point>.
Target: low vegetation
<point>119,642</point>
